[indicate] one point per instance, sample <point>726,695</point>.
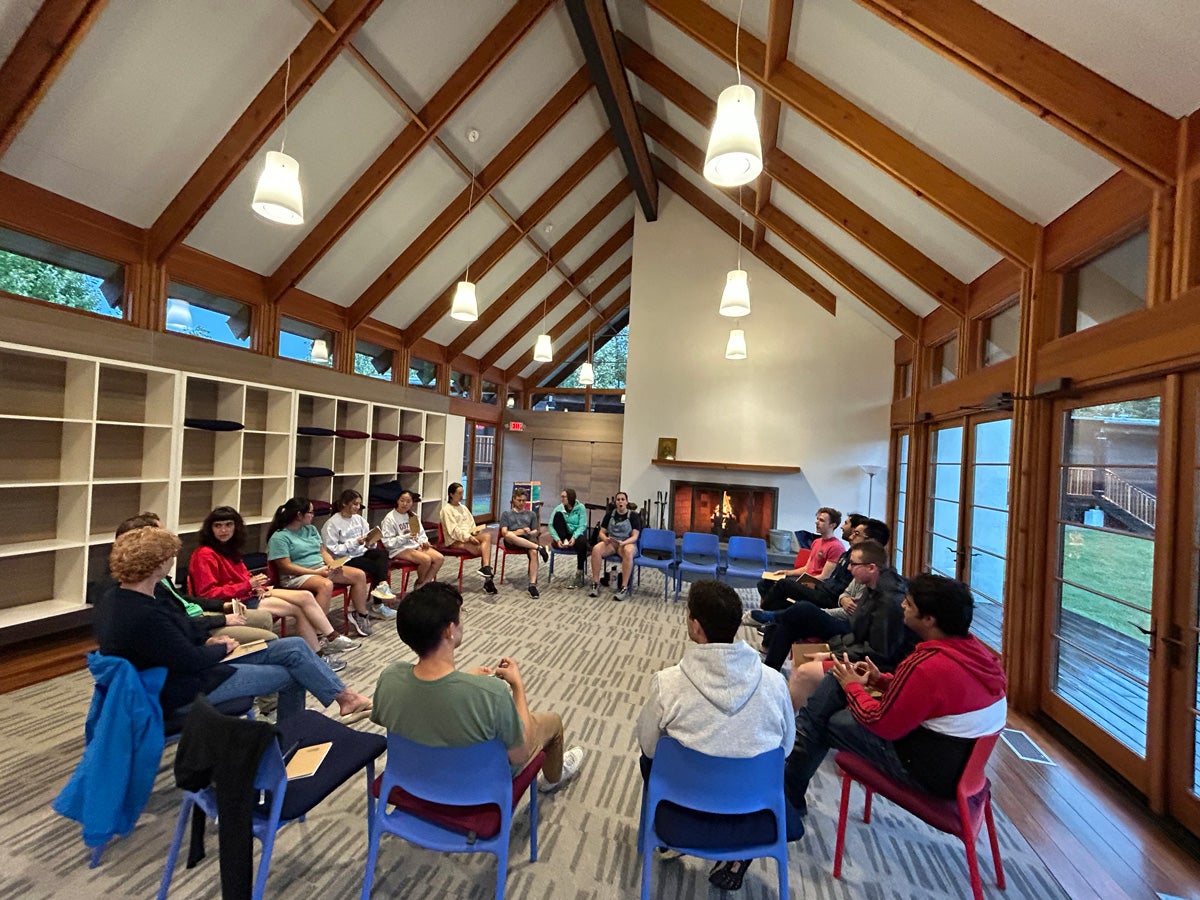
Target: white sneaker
<point>341,644</point>
<point>383,591</point>
<point>572,760</point>
<point>380,611</point>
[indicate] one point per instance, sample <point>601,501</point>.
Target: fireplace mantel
<point>737,467</point>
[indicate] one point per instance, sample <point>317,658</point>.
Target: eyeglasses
<point>857,565</point>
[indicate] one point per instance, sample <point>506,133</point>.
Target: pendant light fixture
<point>587,375</point>
<point>735,299</point>
<point>465,307</point>
<point>734,154</point>
<point>278,197</point>
<point>179,315</point>
<point>543,349</point>
<point>735,347</point>
<point>320,352</point>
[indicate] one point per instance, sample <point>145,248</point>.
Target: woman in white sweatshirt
<point>404,538</point>
<point>345,534</point>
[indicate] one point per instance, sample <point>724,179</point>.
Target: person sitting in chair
<point>720,700</point>
<point>460,531</point>
<point>568,527</point>
<point>618,537</point>
<point>435,704</point>
<point>520,530</point>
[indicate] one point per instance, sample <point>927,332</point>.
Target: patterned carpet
<point>586,659</point>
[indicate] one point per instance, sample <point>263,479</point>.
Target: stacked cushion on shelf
<point>351,433</point>
<point>321,507</point>
<point>379,504</point>
<point>408,469</point>
<point>313,472</point>
<point>411,438</point>
<point>386,493</point>
<point>214,424</point>
<point>314,431</point>
<point>385,436</point>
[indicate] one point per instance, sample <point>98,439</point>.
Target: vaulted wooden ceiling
<point>909,145</point>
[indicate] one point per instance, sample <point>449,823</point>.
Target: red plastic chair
<point>503,552</point>
<point>962,816</point>
<point>456,552</point>
<point>396,564</point>
<point>342,590</point>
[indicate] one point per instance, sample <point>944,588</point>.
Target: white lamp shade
<point>543,350</point>
<point>320,352</point>
<point>735,299</point>
<point>736,346</point>
<point>734,154</point>
<point>465,307</point>
<point>587,376</point>
<point>179,315</point>
<point>277,196</point>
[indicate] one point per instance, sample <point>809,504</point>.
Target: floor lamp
<point>871,472</point>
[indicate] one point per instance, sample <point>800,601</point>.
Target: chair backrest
<point>717,784</point>
<point>973,778</point>
<point>436,774</point>
<point>748,548</point>
<point>699,544</point>
<point>657,539</point>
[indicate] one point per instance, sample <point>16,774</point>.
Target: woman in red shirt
<point>216,570</point>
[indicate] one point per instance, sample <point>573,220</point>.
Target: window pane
<point>422,373</point>
<point>31,267</point>
<point>945,518</point>
<point>489,392</point>
<point>460,384</point>
<point>608,403</point>
<point>942,556</point>
<point>373,361</point>
<point>944,364</point>
<point>305,342</point>
<point>1001,335</point>
<point>204,315</point>
<point>1111,285</point>
<point>483,470</point>
<point>903,380</point>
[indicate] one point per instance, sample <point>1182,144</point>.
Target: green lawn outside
<point>1116,564</point>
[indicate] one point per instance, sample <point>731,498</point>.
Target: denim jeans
<point>825,722</point>
<point>287,666</point>
<point>801,620</point>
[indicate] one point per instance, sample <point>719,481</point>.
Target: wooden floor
<point>1092,832</point>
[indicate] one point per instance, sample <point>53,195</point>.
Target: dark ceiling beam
<point>540,374</point>
<point>1082,104</point>
<point>413,138</point>
<point>774,260</point>
<point>974,209</point>
<point>779,32</point>
<point>902,256</point>
<point>39,55</point>
<point>477,191</point>
<point>594,29</point>
<point>309,60</point>
<point>607,250</point>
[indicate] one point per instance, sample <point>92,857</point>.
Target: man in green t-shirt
<point>435,704</point>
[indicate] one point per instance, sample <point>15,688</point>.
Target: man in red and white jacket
<point>922,729</point>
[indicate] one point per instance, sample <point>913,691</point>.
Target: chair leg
<point>533,820</point>
<point>867,804</point>
<point>972,864</point>
<point>185,813</point>
<point>781,863</point>
<point>373,833</point>
<point>501,870</point>
<point>647,873</point>
<point>843,811</point>
<point>991,827</point>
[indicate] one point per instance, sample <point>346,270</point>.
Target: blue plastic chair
<point>352,751</point>
<point>659,540</point>
<point>700,554</point>
<point>436,778</point>
<point>714,784</point>
<point>746,557</point>
<point>556,552</point>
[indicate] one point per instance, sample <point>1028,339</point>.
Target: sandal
<point>728,875</point>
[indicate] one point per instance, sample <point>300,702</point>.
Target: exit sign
<point>516,426</point>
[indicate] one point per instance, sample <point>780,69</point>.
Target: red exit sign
<point>516,426</point>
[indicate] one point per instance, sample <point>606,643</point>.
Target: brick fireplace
<point>723,509</point>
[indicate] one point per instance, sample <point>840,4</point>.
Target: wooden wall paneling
<point>414,137</point>
<point>606,470</point>
<point>993,289</point>
<point>991,221</point>
<point>1099,114</point>
<point>309,60</point>
<point>36,211</point>
<point>38,56</point>
<point>1161,234</point>
<point>1112,212</point>
<point>218,276</point>
<point>547,461</point>
<point>965,394</point>
<point>1185,269</point>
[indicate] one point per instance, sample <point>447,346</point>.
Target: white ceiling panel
<point>516,91</point>
<point>487,289</point>
<point>145,97</point>
<point>524,345</point>
<point>515,313</point>
<point>586,195</point>
<point>704,70</point>
<point>442,267</point>
<point>15,16</point>
<point>696,133</point>
<point>1147,47</point>
<point>335,133</point>
<point>606,228</point>
<point>855,253</point>
<point>418,194</point>
<point>417,44</point>
<point>553,154</point>
<point>869,187</point>
<point>995,143</point>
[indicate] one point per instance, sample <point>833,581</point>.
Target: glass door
<point>986,537</point>
<point>945,495</point>
<point>901,504</point>
<point>479,468</point>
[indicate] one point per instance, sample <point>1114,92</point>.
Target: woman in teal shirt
<point>295,548</point>
<point>568,526</point>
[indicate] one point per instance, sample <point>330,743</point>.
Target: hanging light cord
<point>737,43</point>
<point>740,213</point>
<point>544,298</point>
<point>287,75</point>
<point>470,201</point>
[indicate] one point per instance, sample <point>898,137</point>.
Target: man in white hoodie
<point>721,701</point>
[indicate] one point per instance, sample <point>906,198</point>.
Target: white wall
<point>814,392</point>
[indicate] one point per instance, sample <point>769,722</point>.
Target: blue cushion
<point>313,472</point>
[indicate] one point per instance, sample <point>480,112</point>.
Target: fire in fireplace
<point>723,509</point>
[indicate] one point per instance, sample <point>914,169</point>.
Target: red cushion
<point>385,436</point>
<point>411,438</point>
<point>351,433</point>
<point>483,818</point>
<point>941,813</point>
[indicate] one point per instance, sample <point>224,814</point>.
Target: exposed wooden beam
<point>779,32</point>
<point>618,239</point>
<point>1099,114</point>
<point>482,264</point>
<point>974,209</point>
<point>776,261</point>
<point>312,56</point>
<point>593,28</point>
<point>418,134</point>
<point>493,173</point>
<point>39,55</point>
<point>605,316</point>
<point>821,196</point>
